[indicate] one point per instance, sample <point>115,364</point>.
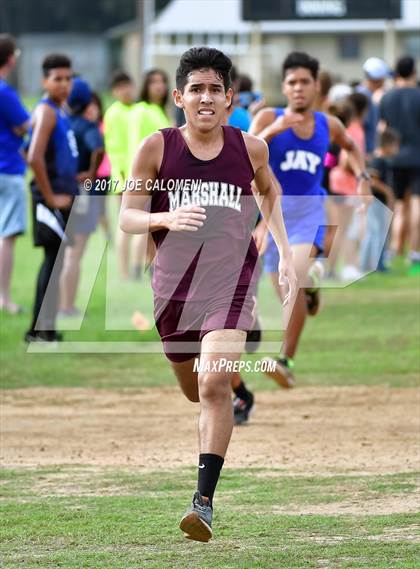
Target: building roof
<point>224,16</point>
<point>123,29</point>
<point>205,16</point>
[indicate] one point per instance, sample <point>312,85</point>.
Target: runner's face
<point>204,99</point>
<point>92,112</point>
<point>157,87</point>
<point>58,84</point>
<point>124,92</point>
<point>300,88</point>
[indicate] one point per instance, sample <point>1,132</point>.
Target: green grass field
<point>123,520</point>
<point>377,319</point>
<point>89,517</point>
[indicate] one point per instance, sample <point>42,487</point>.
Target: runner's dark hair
<point>203,58</point>
<point>55,61</point>
<point>300,59</point>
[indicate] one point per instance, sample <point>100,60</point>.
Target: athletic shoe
<point>242,409</point>
<point>30,336</point>
<point>253,337</point>
<point>282,373</point>
<point>69,313</point>
<point>43,336</point>
<point>196,522</point>
<point>137,273</point>
<point>350,273</point>
<point>11,308</point>
<point>389,257</point>
<point>331,276</point>
<point>414,270</point>
<point>312,295</point>
<point>313,301</point>
<point>51,336</point>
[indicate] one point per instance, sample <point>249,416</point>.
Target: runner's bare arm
<point>264,186</point>
<point>44,124</point>
<point>260,231</point>
<point>95,160</point>
<point>268,200</point>
<point>262,120</point>
<point>135,216</point>
<point>266,125</point>
<point>22,129</point>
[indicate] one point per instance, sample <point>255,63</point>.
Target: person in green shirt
<point>149,114</point>
<point>146,117</point>
<point>116,127</point>
<point>116,135</point>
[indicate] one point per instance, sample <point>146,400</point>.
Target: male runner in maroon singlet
<point>201,216</point>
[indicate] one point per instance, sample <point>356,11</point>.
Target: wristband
<point>363,176</point>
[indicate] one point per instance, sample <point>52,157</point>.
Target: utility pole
<point>390,50</point>
<point>145,18</point>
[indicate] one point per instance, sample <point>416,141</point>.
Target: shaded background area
<point>103,35</point>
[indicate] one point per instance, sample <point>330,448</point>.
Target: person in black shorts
<point>379,168</point>
<point>400,110</point>
<point>201,217</point>
<point>87,209</point>
<point>53,157</point>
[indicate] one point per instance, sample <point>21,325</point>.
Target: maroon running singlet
<point>204,280</point>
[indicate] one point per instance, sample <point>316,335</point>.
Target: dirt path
<point>309,431</point>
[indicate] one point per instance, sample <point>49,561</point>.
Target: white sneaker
<point>350,273</point>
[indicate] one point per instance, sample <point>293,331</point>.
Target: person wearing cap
<point>14,122</point>
<point>87,208</point>
<point>88,137</point>
<point>376,71</point>
<point>339,93</point>
<point>400,109</point>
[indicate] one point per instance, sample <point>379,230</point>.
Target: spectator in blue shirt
<point>14,122</point>
<point>237,116</point>
<point>376,71</point>
<point>88,207</point>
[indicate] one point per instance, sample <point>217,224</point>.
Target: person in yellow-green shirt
<point>116,127</point>
<point>116,135</point>
<point>146,117</point>
<point>149,114</point>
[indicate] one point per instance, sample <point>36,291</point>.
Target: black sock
<point>209,469</point>
<point>242,392</point>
